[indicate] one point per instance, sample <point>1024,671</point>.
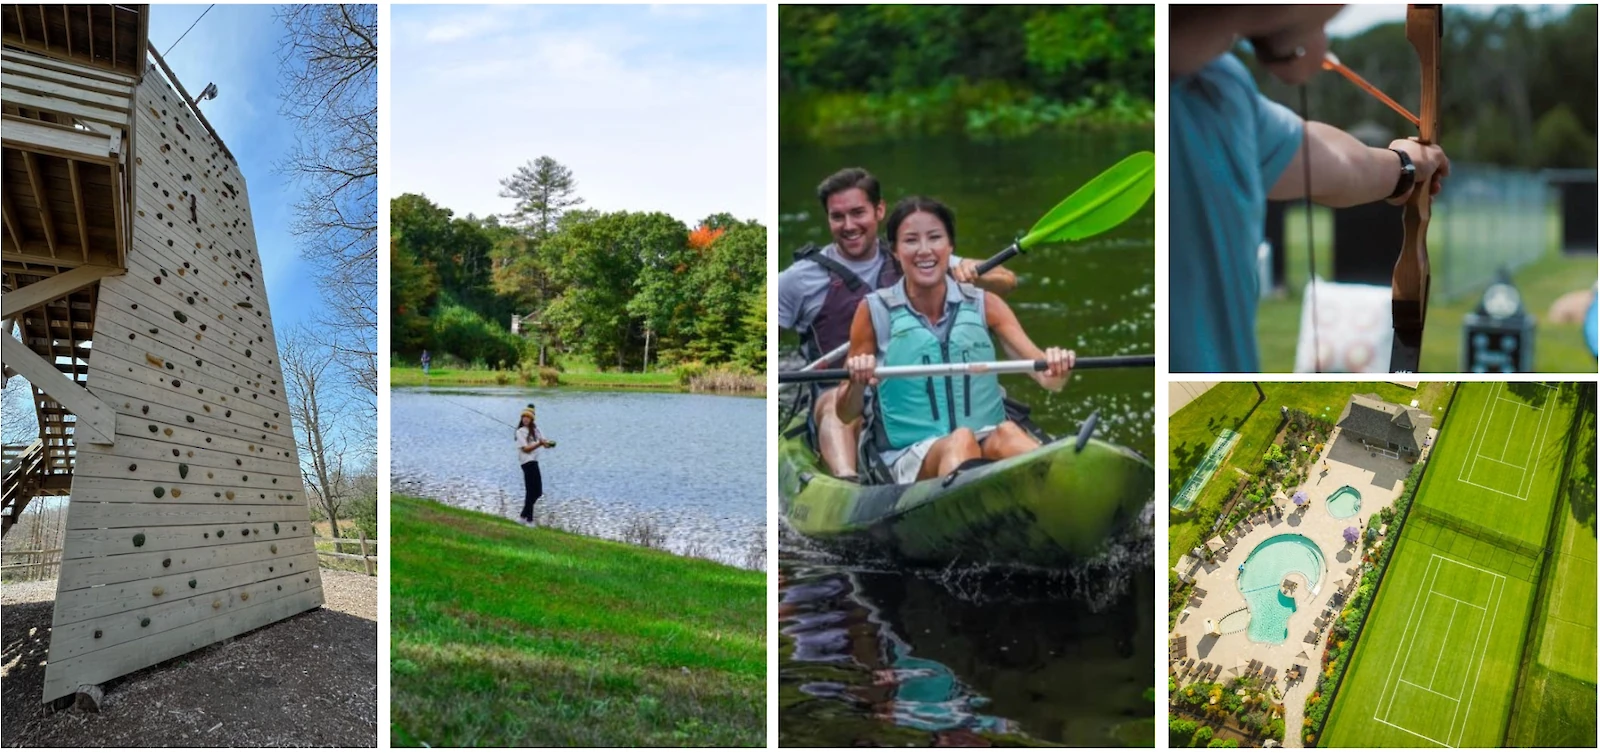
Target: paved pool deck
<point>1380,480</point>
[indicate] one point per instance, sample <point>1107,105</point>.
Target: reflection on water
<point>891,658</point>
<point>692,465</point>
<point>873,656</point>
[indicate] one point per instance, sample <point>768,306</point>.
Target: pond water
<point>873,655</point>
<point>694,466</point>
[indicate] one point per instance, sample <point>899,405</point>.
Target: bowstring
<point>1311,246</point>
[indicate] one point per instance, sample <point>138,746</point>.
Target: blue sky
<point>235,47</point>
<point>654,108</point>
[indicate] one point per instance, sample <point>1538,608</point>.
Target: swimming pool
<point>1261,576</point>
<point>1344,503</point>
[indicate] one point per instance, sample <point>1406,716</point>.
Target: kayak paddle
<point>952,369</point>
<point>1097,206</point>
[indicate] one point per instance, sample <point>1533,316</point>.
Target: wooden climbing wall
<point>193,527</point>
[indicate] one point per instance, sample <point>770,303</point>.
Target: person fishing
<point>926,428</point>
<point>529,441</point>
<point>1233,150</point>
<point>818,295</point>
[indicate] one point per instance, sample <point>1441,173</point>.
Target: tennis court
<point>1437,663</point>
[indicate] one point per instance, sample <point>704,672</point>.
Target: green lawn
<point>1557,707</point>
<point>1560,347</point>
<point>1438,661</point>
<point>1236,405</point>
<point>507,636</point>
<point>1501,464</point>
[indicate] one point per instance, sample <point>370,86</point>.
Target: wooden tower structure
<point>132,276</point>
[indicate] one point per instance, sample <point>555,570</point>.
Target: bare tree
<point>318,418</point>
<point>328,62</point>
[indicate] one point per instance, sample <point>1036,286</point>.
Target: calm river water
<point>694,465</point>
<point>880,656</point>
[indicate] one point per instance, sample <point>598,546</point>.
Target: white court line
<point>1454,599</point>
<point>1418,734</point>
<point>1483,421</point>
<point>1431,690</point>
<point>1481,656</point>
<point>1538,443</point>
<point>1444,646</point>
<point>1408,635</point>
<point>1509,465</point>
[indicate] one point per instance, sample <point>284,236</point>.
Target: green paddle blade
<point>1101,204</point>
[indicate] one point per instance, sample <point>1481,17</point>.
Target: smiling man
<point>818,295</point>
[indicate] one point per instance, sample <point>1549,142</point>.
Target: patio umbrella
<point>1300,498</point>
<point>1215,543</point>
<point>1352,535</point>
<point>1339,586</point>
<point>1302,655</point>
<point>1212,629</point>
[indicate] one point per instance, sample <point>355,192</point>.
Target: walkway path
<point>1180,394</point>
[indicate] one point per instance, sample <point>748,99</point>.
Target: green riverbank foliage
<point>507,636</point>
<point>864,73</point>
<point>1518,87</point>
<point>626,291</point>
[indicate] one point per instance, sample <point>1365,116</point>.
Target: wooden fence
<point>368,555</point>
<point>30,564</point>
<point>36,564</point>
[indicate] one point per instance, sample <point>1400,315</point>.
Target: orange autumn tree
<point>702,237</point>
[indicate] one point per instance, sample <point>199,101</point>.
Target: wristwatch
<point>1408,174</point>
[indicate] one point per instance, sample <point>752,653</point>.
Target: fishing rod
<point>498,422</point>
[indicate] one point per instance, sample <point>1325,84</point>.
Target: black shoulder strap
<point>805,251</point>
<point>838,270</point>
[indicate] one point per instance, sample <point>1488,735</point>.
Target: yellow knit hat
<point>528,411</point>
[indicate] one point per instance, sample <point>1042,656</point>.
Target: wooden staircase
<point>24,476</point>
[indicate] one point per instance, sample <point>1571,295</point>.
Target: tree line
<point>624,290</point>
<point>992,70</point>
<point>1517,86</point>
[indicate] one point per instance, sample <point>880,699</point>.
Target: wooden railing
<point>38,563</point>
<point>368,555</point>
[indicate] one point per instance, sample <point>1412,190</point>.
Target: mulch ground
<point>310,680</point>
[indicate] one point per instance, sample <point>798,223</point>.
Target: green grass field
<point>507,636</point>
<point>1560,347</point>
<point>1437,664</point>
<point>1556,707</point>
<point>1236,406</point>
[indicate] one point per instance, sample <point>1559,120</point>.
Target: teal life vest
<point>911,410</point>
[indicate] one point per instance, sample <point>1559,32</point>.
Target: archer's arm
<point>1347,173</point>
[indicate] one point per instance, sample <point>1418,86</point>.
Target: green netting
<point>1482,535</point>
<point>1208,466</point>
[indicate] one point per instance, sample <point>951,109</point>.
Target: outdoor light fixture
<point>210,92</point>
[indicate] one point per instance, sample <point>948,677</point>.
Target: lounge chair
<point>1200,592</point>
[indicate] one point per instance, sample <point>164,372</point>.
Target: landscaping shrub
<point>1201,738</point>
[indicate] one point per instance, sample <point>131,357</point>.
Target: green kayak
<point>1058,504</point>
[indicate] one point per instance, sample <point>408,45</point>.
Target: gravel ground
<point>310,680</point>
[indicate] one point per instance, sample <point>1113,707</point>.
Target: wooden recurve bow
<point>1409,289</point>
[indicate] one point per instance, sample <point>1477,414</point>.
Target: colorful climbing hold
<point>183,470</point>
<point>138,539</point>
<point>160,492</point>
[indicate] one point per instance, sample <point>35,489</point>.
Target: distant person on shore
<point>426,362</point>
<point>818,295</point>
<point>1233,150</point>
<point>529,441</point>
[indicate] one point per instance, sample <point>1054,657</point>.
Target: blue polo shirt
<point>1228,145</point>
